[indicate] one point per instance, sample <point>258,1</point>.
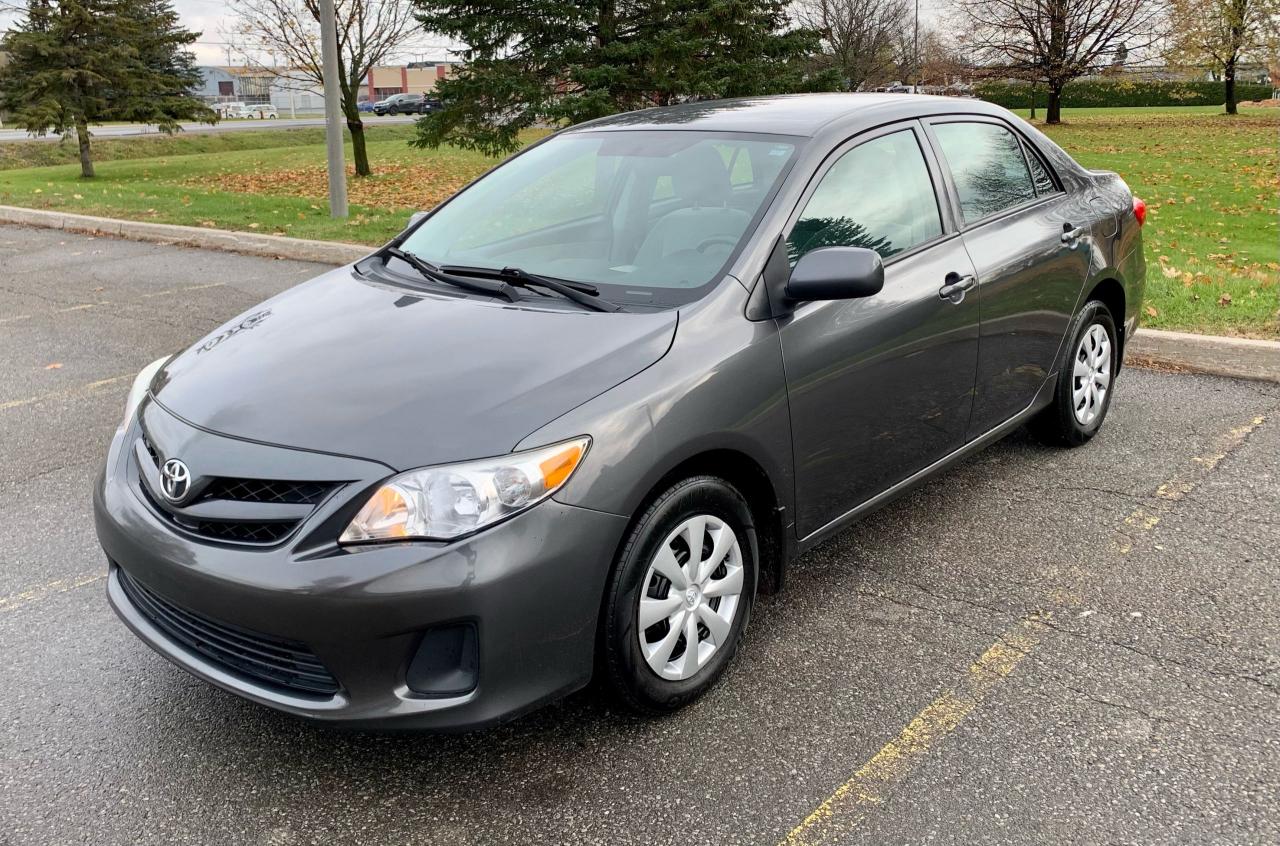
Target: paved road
<point>128,129</point>
<point>1041,646</point>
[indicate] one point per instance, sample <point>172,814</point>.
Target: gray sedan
<point>571,422</point>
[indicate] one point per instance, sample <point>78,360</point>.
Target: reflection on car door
<point>1020,229</point>
<point>879,387</point>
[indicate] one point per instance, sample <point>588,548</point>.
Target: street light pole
<point>915,53</point>
<point>333,110</point>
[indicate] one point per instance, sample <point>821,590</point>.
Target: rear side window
<point>878,196</point>
<point>1039,173</point>
<point>988,166</point>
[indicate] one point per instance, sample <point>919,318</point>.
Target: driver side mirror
<point>836,273</point>
<point>415,218</point>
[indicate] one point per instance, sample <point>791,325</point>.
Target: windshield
<point>650,216</point>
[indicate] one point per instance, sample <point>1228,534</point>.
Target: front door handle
<point>956,286</point>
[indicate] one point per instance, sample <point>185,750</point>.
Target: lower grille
<point>283,664</point>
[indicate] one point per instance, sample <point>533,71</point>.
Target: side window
<point>989,168</point>
<point>878,196</point>
<point>1039,173</point>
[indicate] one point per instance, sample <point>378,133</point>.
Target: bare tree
<point>857,35</point>
<point>1056,41</point>
<point>931,59</point>
<point>370,33</point>
<point>1220,34</point>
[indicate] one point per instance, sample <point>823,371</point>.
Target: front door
<point>879,387</point>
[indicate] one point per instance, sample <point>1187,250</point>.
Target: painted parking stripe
<point>845,809</point>
<point>85,306</point>
<point>14,601</point>
<point>871,785</point>
<point>65,393</point>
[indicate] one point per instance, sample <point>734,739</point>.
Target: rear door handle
<point>1070,236</point>
<point>956,286</point>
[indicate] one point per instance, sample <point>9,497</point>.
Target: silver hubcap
<point>690,596</point>
<point>1092,375</point>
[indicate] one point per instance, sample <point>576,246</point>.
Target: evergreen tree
<point>77,62</point>
<point>533,61</point>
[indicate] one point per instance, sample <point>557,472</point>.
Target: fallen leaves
<point>396,185</point>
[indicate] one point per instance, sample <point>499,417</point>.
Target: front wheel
<point>680,596</point>
<point>1085,379</point>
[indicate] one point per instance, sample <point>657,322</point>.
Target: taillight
<point>1140,210</point>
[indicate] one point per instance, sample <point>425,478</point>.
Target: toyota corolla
<point>570,423</point>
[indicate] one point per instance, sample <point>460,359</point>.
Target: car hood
<point>345,365</point>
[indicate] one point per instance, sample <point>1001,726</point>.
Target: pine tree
<point>559,61</point>
<point>73,63</point>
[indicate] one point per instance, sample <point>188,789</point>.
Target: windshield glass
<point>650,216</point>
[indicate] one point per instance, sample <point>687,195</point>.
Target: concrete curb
<point>1241,358</point>
<point>272,246</point>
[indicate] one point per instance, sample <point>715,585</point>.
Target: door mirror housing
<point>836,273</point>
<point>415,218</point>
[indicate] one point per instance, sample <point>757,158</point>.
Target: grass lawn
<point>1210,183</point>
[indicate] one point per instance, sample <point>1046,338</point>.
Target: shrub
<point>1082,93</point>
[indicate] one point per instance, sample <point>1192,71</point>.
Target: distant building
<point>234,84</point>
<point>291,91</point>
<point>413,78</point>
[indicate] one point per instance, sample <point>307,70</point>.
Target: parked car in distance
<point>226,110</point>
<point>401,104</point>
<point>365,106</point>
<point>251,111</point>
<point>573,420</point>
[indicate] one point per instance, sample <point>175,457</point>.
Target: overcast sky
<point>211,17</point>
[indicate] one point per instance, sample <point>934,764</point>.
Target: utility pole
<point>915,53</point>
<point>333,110</point>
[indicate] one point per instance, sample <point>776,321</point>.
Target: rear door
<point>879,387</point>
<point>1025,236</point>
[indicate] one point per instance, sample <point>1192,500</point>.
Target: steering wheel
<point>727,240</point>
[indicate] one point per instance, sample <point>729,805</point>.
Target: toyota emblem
<point>175,480</point>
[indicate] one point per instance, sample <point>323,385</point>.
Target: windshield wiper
<point>430,271</point>
<point>582,293</point>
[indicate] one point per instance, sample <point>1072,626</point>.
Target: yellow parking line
<point>83,306</point>
<point>872,784</point>
<point>168,291</point>
<point>64,393</point>
<point>17,600</point>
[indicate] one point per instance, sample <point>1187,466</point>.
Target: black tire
<point>633,682</point>
<point>1058,425</point>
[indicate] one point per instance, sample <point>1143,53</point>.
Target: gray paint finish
<point>836,407</point>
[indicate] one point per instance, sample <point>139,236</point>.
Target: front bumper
<point>531,586</point>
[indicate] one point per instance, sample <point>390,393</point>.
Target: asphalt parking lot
<point>1040,646</point>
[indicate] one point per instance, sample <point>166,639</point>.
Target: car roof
<point>790,114</point>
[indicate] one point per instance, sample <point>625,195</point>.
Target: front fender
<point>720,387</point>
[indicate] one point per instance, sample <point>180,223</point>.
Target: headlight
<point>450,500</point>
<point>141,385</point>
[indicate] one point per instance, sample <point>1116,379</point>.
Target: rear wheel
<point>1085,379</point>
<point>680,596</point>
